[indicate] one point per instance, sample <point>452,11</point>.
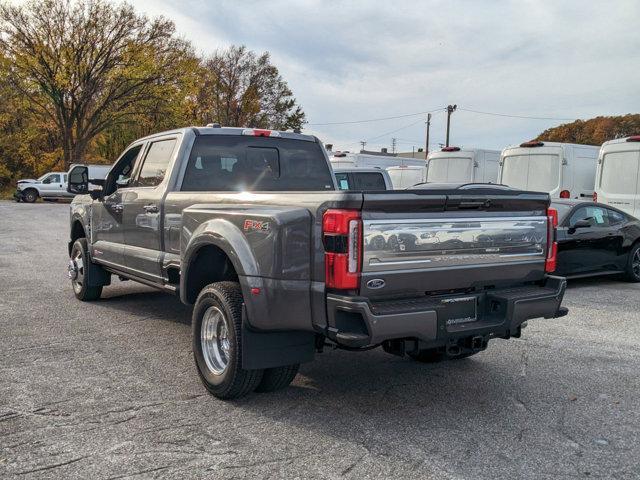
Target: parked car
<point>564,170</point>
<point>362,179</point>
<point>53,185</point>
<point>406,176</point>
<point>617,182</point>
<point>596,239</point>
<point>467,165</point>
<point>248,226</point>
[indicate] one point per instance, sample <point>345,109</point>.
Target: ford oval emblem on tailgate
<point>376,283</point>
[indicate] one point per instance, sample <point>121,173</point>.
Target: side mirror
<point>579,224</point>
<point>78,180</point>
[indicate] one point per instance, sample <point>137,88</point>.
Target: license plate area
<point>459,311</point>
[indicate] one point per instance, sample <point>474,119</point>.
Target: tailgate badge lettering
<point>376,283</point>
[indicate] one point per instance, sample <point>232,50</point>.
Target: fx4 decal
<point>256,225</point>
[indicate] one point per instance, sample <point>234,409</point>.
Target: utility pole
<point>363,143</point>
<point>393,145</point>
<point>450,110</point>
<point>426,147</point>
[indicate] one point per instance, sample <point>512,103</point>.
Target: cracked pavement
<point>109,390</point>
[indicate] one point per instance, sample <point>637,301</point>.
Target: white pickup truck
<point>53,185</point>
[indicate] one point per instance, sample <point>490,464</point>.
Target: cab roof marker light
<point>635,138</point>
<point>258,132</point>
<point>450,149</point>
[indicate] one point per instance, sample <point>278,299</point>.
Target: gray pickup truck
<point>249,226</point>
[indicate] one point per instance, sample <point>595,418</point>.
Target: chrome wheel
<point>75,270</point>
<point>635,263</point>
<point>214,338</point>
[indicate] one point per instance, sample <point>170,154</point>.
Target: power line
<point>375,119</point>
<point>394,131</point>
<point>515,116</point>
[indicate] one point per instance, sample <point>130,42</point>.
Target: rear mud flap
<point>274,349</point>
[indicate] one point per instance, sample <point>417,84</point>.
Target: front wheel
<point>217,341</point>
<point>78,270</point>
<point>632,270</point>
<point>30,195</point>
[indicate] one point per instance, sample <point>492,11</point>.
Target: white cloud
<point>358,60</point>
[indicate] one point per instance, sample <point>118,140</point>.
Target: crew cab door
<point>51,186</point>
<point>107,234</point>
<point>143,210</point>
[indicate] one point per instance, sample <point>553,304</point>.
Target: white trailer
<point>564,170</point>
<point>462,165</point>
<point>617,175</point>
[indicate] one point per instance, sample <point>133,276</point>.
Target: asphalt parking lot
<point>109,390</point>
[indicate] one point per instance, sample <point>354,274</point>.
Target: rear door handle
<point>151,208</point>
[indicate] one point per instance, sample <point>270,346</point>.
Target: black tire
<point>30,195</point>
<point>277,378</point>
<point>632,270</point>
<point>82,291</point>
<point>223,376</point>
<point>435,355</point>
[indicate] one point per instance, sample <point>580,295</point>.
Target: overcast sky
<point>358,60</point>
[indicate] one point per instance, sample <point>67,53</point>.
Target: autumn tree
<point>88,66</point>
<point>594,131</point>
<point>240,88</point>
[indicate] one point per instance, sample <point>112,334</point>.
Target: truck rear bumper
<point>498,313</point>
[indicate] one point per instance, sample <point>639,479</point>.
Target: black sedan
<point>596,239</point>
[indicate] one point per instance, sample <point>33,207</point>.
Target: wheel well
<point>77,231</point>
<point>208,264</point>
<point>31,188</point>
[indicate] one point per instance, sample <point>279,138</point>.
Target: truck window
<point>219,163</point>
<point>55,178</point>
<point>368,181</point>
<point>155,164</point>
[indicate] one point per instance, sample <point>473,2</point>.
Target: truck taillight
<point>342,237</point>
<point>595,196</point>
<point>552,244</point>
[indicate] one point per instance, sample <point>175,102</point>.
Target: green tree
<point>594,131</point>
<point>88,66</point>
<point>240,88</point>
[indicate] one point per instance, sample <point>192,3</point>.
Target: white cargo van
<point>406,176</point>
<point>468,165</point>
<point>564,170</point>
<point>617,175</point>
<point>362,160</point>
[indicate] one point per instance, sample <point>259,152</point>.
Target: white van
<point>564,170</point>
<point>406,176</point>
<point>468,165</point>
<point>349,160</point>
<point>617,175</point>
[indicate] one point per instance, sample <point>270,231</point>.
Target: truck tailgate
<point>420,241</point>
